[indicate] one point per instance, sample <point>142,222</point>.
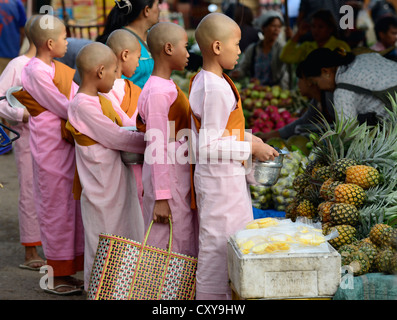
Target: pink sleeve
<point>214,120</point>
<point>156,115</point>
<point>87,118</point>
<point>42,88</point>
<point>10,77</point>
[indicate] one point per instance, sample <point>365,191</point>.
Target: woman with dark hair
<point>323,29</point>
<point>244,17</point>
<point>261,59</point>
<point>360,84</point>
<point>319,107</point>
<point>137,17</point>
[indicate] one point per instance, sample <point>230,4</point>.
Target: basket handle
<point>11,140</point>
<point>147,236</point>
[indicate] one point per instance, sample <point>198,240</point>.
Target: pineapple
<point>290,211</point>
<point>371,251</point>
<point>359,263</point>
<point>384,260</point>
<point>339,167</point>
<point>313,166</point>
<point>346,235</point>
<point>393,265</point>
<point>300,182</point>
<point>364,176</point>
<point>324,188</point>
<point>331,189</point>
<point>322,173</point>
<point>343,213</point>
<point>350,193</point>
<point>381,234</point>
<point>323,211</point>
<point>306,209</point>
<point>326,227</point>
<point>345,252</point>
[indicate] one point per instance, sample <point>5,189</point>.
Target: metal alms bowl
<point>266,173</point>
<point>13,102</point>
<point>130,157</point>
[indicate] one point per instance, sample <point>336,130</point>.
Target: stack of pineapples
<point>350,185</point>
<point>376,253</point>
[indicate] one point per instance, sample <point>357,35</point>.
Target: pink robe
<point>162,179</point>
<point>29,230</point>
<point>109,201</point>
<point>223,201</point>
<point>116,95</point>
<point>59,214</point>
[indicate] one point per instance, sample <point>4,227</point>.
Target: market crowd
<point>83,97</point>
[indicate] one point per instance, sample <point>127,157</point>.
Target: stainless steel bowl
<point>130,157</point>
<point>13,102</point>
<point>267,173</point>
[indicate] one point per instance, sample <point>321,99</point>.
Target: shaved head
<point>120,40</point>
<point>45,27</point>
<point>213,27</point>
<point>28,26</point>
<point>162,33</point>
<point>92,56</point>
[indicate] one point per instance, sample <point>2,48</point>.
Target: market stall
<point>344,192</point>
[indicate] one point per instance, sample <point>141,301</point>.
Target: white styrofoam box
<point>283,275</point>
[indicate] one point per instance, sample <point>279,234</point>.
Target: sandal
<point>28,264</point>
<point>73,290</point>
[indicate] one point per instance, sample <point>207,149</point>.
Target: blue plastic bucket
<point>5,141</point>
<point>258,213</point>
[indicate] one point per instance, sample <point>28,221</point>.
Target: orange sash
<point>63,79</point>
<point>130,99</point>
<point>180,114</point>
<point>236,121</point>
<point>83,140</point>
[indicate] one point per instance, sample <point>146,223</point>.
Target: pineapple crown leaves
<point>337,137</point>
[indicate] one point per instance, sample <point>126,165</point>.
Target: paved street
<point>16,283</point>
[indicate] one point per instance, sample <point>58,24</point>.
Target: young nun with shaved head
<point>124,94</point>
<point>163,113</point>
<point>28,222</point>
<point>107,203</point>
<point>223,201</point>
<point>48,88</point>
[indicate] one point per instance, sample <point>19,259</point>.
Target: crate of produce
<point>308,271</point>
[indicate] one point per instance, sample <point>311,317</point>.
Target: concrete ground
<point>16,283</point>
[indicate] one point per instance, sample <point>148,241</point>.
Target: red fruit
<point>290,120</point>
<point>258,113</point>
<point>265,116</point>
<point>258,122</point>
<point>271,109</point>
<point>276,117</point>
<point>279,125</point>
<point>255,130</point>
<point>285,114</point>
<point>268,124</point>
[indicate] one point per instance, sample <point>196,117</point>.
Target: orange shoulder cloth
<point>63,79</point>
<point>130,100</point>
<point>236,122</point>
<point>83,140</point>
